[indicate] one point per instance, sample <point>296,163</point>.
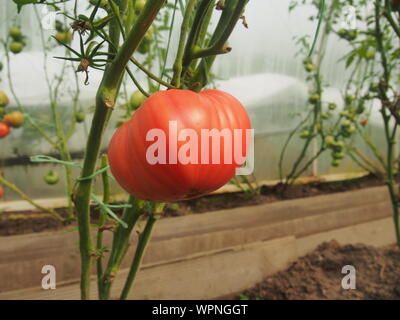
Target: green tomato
<point>330,141</point>
<point>4,101</point>
<point>51,178</point>
<point>307,61</point>
<point>346,124</point>
<point>1,66</point>
<point>64,37</point>
<point>16,47</point>
<point>326,115</point>
<point>314,98</point>
<point>309,67</point>
<point>15,33</point>
<point>342,33</point>
<point>137,99</point>
<point>139,6</point>
<point>2,111</point>
<point>349,99</point>
<point>338,155</point>
<point>338,146</point>
<point>370,55</point>
<point>305,134</point>
<point>335,162</point>
<point>80,117</point>
<point>332,106</point>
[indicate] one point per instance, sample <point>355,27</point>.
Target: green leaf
<point>21,3</point>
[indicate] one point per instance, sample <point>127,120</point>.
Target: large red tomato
<point>4,130</point>
<point>154,155</point>
<point>1,192</point>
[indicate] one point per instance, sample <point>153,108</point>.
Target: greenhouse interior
<point>200,150</point>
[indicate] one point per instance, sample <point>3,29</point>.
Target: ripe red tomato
<point>154,154</point>
<point>4,130</point>
<point>1,192</point>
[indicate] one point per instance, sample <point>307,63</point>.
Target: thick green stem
<point>178,65</point>
<point>120,244</point>
<point>105,101</point>
<point>231,13</point>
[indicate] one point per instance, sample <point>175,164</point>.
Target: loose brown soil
<point>318,275</point>
<point>12,223</point>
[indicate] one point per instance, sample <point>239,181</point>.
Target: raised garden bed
<point>210,255</point>
<point>316,275</point>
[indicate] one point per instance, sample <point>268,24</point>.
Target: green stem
<point>386,119</point>
<point>105,101</point>
<point>178,65</point>
<point>102,221</point>
<point>24,196</point>
<point>144,238</point>
<point>120,244</point>
<point>231,13</point>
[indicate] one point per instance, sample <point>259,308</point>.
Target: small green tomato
<point>16,47</point>
<point>15,33</point>
<point>313,98</point>
<point>4,101</point>
<point>335,162</point>
<point>80,116</point>
<point>51,177</point>
<point>137,99</point>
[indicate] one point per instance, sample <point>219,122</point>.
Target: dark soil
<point>12,223</point>
<point>318,275</point>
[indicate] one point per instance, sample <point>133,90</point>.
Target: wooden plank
<point>222,273</point>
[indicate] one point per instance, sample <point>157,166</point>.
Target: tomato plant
<point>110,38</point>
<point>166,181</point>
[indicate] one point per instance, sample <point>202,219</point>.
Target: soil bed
<point>13,223</point>
<point>318,275</point>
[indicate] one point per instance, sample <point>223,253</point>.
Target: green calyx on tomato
<point>51,177</point>
<point>4,130</point>
<point>4,101</point>
<point>14,119</point>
